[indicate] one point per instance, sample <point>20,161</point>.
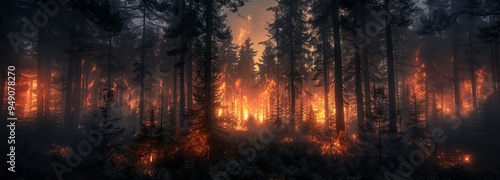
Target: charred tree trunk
<point>209,115</point>
<point>359,91</point>
<point>426,89</point>
<point>41,75</point>
<point>366,68</point>
<point>393,126</point>
<point>162,109</point>
<point>278,77</point>
<point>339,99</point>
<point>493,70</point>
<point>404,101</point>
<point>493,64</point>
<point>473,69</point>
<point>182,100</point>
<point>357,65</point>
<point>85,83</point>
<point>109,61</point>
<point>108,87</point>
<point>182,88</point>
<point>326,84</point>
<point>456,83</point>
<point>47,84</point>
<point>292,84</point>
<point>174,98</point>
<point>455,51</point>
<point>495,47</point>
<point>189,76</point>
<point>208,61</point>
<point>301,91</point>
<point>68,105</point>
<point>77,91</point>
<point>143,65</point>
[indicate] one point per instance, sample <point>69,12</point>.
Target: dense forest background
<point>164,89</point>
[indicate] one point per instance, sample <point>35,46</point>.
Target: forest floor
<point>479,136</point>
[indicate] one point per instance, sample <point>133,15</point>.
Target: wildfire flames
<point>420,80</point>
<point>452,157</point>
<point>256,103</point>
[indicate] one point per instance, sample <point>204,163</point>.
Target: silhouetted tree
<point>290,32</point>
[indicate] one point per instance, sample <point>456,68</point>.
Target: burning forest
<point>238,89</point>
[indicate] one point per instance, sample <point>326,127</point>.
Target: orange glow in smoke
<point>467,158</point>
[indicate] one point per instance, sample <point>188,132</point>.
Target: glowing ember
<point>467,158</point>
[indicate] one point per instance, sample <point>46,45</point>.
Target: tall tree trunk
<point>174,99</point>
<point>77,91</point>
<point>210,118</point>
<point>301,91</point>
<point>473,69</point>
<point>434,108</point>
<point>359,91</point>
<point>47,84</point>
<point>108,87</point>
<point>393,126</point>
<point>68,105</point>
<point>278,78</point>
<point>162,109</point>
<point>109,61</point>
<point>292,83</point>
<point>493,70</point>
<point>40,74</point>
<point>357,66</point>
<point>366,68</point>
<point>339,98</point>
<point>426,89</point>
<point>189,76</point>
<point>182,88</point>
<point>403,100</point>
<point>455,51</point>
<point>326,84</point>
<point>143,65</point>
<point>456,83</point>
<point>495,47</point>
<point>182,100</point>
<point>493,64</point>
<point>85,83</point>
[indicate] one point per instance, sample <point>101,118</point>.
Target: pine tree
<point>185,28</point>
<point>290,33</point>
<point>207,136</point>
<point>309,126</point>
<point>405,9</point>
<point>106,121</point>
<point>150,140</point>
<point>337,52</point>
<point>245,65</point>
<point>378,124</point>
<point>491,35</point>
<point>102,16</point>
<point>416,125</point>
<point>321,25</point>
<point>267,63</point>
<point>146,11</point>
